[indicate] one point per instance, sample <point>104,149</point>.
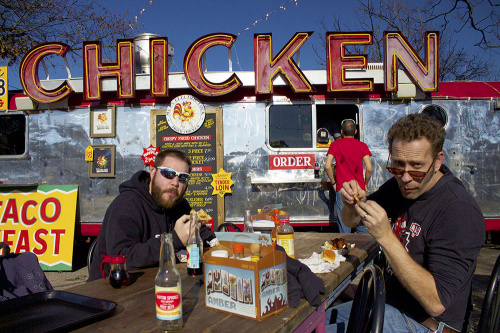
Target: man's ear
<point>439,161</point>
<point>152,172</point>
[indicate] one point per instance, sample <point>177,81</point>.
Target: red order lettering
<point>10,212</point>
<point>24,213</point>
<point>57,241</point>
<point>6,235</point>
<point>40,241</point>
<point>23,242</point>
<point>43,210</point>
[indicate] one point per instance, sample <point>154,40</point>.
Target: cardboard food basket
<point>249,289</point>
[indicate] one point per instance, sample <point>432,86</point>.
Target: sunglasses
<point>343,121</point>
<point>170,174</point>
<point>413,173</point>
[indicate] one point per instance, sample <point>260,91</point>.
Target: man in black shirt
<point>429,227</point>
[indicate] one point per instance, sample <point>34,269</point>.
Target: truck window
<point>290,126</point>
<point>330,116</point>
<point>13,135</point>
<point>437,112</point>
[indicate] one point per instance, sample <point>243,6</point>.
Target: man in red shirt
<point>350,155</point>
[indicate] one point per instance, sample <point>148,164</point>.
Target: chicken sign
<point>397,53</point>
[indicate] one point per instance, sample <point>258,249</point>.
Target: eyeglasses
<point>170,174</point>
<point>343,121</point>
<point>413,173</point>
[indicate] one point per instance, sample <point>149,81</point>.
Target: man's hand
<point>352,193</point>
<point>375,219</point>
<point>182,228</point>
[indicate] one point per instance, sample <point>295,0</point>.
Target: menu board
<point>201,147</point>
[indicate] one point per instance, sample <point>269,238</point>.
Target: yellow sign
<point>4,89</point>
<point>41,221</point>
<point>222,183</point>
<point>89,154</point>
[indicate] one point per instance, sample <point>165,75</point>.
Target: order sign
<point>296,161</point>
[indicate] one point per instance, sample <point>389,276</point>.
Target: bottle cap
<point>237,248</point>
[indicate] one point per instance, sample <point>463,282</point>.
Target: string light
<point>150,2</point>
<point>266,17</point>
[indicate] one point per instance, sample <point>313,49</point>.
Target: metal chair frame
<point>489,320</point>
<point>91,253</point>
<point>225,226</point>
<point>368,306</point>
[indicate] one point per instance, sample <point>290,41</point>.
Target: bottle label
<point>286,241</point>
<point>193,256</point>
<point>168,302</point>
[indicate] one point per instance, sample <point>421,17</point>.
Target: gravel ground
<point>487,258</point>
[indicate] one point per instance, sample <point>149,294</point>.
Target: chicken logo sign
<point>186,114</point>
<point>102,118</point>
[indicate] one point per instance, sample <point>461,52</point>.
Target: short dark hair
<point>416,126</point>
<point>349,127</point>
<point>180,155</point>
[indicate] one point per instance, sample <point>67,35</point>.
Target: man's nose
<point>175,181</point>
<point>406,177</point>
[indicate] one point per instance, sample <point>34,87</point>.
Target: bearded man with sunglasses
<point>430,230</point>
<point>149,204</point>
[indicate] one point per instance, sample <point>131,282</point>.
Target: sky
<point>187,20</point>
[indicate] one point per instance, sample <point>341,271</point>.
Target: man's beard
<point>157,192</point>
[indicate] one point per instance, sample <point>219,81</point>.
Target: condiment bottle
<point>194,247</point>
<point>118,274</point>
<point>276,220</point>
<point>168,288</point>
<point>285,236</point>
<point>237,250</point>
<point>254,252</point>
<point>248,222</point>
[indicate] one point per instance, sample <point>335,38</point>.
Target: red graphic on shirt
<point>399,227</point>
<point>415,230</point>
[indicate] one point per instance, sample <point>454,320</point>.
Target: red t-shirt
<point>348,154</point>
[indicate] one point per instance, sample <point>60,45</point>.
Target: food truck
<point>254,136</point>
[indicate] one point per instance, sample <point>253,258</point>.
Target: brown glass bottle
<point>194,247</point>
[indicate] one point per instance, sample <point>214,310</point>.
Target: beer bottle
<point>194,247</point>
<point>285,236</point>
<point>248,222</point>
<point>168,290</point>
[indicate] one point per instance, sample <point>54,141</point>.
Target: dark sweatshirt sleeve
<point>206,234</point>
<point>124,235</point>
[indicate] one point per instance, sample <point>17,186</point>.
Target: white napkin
<point>317,265</point>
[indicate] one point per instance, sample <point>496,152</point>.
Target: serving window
<point>304,126</point>
<point>13,135</point>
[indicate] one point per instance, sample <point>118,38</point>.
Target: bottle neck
<point>167,255</point>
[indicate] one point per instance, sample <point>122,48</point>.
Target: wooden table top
<point>136,306</point>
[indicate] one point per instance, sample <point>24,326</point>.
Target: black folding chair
<point>91,253</point>
<point>489,321</point>
<point>368,306</point>
<point>226,225</point>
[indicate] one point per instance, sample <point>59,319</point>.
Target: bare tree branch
<point>451,17</point>
<point>26,23</point>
